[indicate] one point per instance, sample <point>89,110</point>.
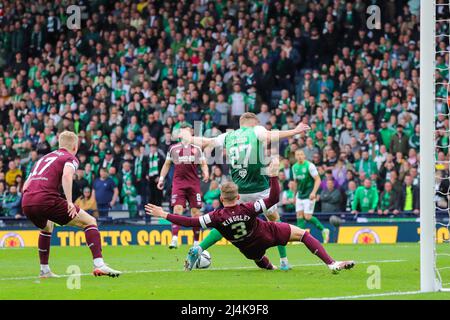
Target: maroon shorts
<point>269,234</point>
<point>192,194</point>
<point>54,210</point>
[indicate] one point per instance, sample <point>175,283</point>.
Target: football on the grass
<point>204,261</point>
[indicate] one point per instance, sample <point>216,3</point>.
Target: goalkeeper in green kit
<point>245,149</point>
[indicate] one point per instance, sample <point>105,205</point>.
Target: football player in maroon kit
<point>239,224</point>
<point>43,204</point>
<point>185,183</point>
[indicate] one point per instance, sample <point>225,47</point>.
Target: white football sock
<point>45,268</point>
<point>98,262</point>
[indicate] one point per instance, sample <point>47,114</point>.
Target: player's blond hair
<point>68,140</point>
<point>229,191</point>
<point>246,117</point>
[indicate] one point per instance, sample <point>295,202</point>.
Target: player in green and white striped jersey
<point>245,152</point>
<point>308,182</point>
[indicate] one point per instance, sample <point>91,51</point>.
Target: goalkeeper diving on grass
<point>239,224</point>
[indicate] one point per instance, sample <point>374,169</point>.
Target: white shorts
<point>305,205</point>
<point>253,197</point>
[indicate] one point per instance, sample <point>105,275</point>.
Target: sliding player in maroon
<point>239,224</point>
<point>44,206</point>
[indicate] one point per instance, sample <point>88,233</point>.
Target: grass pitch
<point>156,273</point>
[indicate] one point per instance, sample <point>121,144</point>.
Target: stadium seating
<point>163,64</point>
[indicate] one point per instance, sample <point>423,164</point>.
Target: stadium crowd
<point>137,71</point>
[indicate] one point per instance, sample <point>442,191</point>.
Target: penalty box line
<point>212,269</point>
<point>373,295</point>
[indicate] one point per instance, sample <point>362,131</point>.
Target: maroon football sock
<point>316,248</point>
<point>175,229</point>
<point>264,263</point>
<point>44,246</point>
<point>93,241</point>
<point>196,233</point>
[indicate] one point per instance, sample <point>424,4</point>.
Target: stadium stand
<point>136,71</point>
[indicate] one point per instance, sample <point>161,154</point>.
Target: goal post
<point>428,279</point>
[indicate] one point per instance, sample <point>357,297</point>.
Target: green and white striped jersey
<point>245,153</point>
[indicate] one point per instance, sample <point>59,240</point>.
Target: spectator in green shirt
<point>212,194</point>
<point>129,196</point>
<point>366,165</point>
<point>387,200</point>
<point>386,133</point>
<point>366,198</point>
<point>288,197</point>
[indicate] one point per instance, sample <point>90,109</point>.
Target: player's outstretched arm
<point>203,142</point>
<point>156,211</point>
<point>275,134</point>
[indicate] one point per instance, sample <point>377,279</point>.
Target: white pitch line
<point>212,269</point>
<point>385,294</point>
<point>405,246</point>
<point>252,267</point>
<point>443,268</point>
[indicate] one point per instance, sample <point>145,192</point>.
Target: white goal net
<point>442,142</point>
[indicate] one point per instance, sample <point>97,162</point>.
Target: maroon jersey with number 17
<point>44,181</point>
